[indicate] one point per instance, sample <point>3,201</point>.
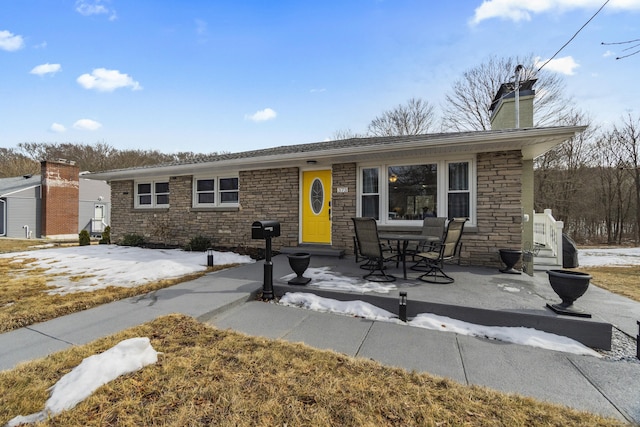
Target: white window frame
<point>3,217</point>
<point>218,203</point>
<point>471,188</point>
<point>443,188</point>
<point>153,194</point>
<point>361,188</point>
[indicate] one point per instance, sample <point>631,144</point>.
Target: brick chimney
<point>60,199</point>
<point>503,106</point>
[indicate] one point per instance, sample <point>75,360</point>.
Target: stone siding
<point>274,198</point>
<point>499,211</point>
<point>273,194</point>
<point>343,205</point>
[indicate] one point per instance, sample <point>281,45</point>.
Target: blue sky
<point>227,76</point>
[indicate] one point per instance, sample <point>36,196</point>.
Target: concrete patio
<point>484,296</point>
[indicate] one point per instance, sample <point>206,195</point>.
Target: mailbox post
<point>266,230</point>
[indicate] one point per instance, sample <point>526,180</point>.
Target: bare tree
<point>413,118</point>
<point>345,134</point>
<point>628,138</point>
<point>101,156</point>
<point>559,174</point>
<point>13,164</point>
<point>466,107</point>
<point>613,187</point>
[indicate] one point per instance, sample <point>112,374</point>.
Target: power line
<point>624,50</point>
<point>574,36</point>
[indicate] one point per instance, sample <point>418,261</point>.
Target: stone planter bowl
<point>299,262</point>
<point>569,285</point>
<point>510,258</point>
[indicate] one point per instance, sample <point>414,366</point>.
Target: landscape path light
<point>210,257</point>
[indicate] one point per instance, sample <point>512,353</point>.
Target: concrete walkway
<point>226,299</point>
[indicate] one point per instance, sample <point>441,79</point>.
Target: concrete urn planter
<point>569,285</point>
<point>299,262</point>
<point>510,258</point>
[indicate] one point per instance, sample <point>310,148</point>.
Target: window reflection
<point>370,193</point>
<point>413,191</point>
<point>458,196</point>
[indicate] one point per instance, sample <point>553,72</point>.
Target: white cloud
<point>47,68</point>
<point>57,128</point>
<point>318,90</point>
<point>607,54</point>
<point>96,7</point>
<point>565,65</point>
<point>10,41</point>
<point>518,10</point>
<point>104,80</point>
<point>262,115</point>
<point>87,124</point>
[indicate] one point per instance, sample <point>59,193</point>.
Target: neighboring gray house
<point>57,204</point>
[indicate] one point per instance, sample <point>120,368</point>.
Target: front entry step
<point>318,250</point>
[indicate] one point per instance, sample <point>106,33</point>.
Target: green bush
<point>198,244</point>
<point>83,238</point>
<point>106,236</point>
<point>132,240</point>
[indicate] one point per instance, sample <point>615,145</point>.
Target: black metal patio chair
<point>431,226</point>
<point>370,248</point>
<point>432,261</point>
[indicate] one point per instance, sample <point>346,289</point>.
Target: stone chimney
<point>503,106</point>
<point>60,199</point>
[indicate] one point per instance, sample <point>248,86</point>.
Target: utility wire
<point>624,50</point>
<point>574,36</point>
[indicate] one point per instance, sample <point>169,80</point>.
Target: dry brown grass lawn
<point>206,376</point>
<point>14,245</point>
<point>619,280</point>
<point>24,299</point>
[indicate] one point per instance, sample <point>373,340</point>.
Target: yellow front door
<point>316,206</point>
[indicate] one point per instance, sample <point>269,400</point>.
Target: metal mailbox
<point>265,229</point>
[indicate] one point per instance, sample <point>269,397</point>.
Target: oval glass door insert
<point>317,196</point>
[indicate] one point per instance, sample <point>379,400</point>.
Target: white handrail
<point>547,232</point>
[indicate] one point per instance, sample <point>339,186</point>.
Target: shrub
<point>132,240</point>
<point>106,236</point>
<point>83,238</point>
<point>198,244</point>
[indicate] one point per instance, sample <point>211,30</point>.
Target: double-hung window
<point>370,194</point>
<point>152,194</point>
<point>458,194</point>
<point>216,191</point>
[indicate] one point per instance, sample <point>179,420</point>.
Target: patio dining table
<point>405,238</point>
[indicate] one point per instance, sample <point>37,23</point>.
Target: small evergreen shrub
<point>198,244</point>
<point>83,238</point>
<point>132,240</point>
<point>106,236</point>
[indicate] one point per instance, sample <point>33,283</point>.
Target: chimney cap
<point>60,160</point>
<point>507,90</point>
